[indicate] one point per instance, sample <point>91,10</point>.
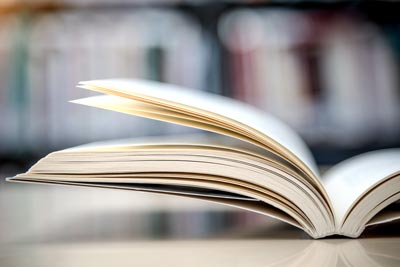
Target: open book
<point>255,162</point>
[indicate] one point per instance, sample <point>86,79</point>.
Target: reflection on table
<point>236,252</point>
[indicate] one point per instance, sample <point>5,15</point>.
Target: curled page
<point>276,134</point>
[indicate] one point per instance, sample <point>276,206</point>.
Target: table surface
<point>232,252</point>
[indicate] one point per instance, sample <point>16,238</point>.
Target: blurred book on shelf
<point>333,77</point>
<point>46,54</point>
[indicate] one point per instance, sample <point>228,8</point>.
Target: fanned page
<point>254,161</point>
<point>362,186</point>
<point>206,111</point>
<point>275,173</point>
<point>214,168</point>
<point>213,113</point>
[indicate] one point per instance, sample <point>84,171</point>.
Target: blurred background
<point>329,69</point>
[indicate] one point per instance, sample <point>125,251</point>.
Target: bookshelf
<point>333,132</point>
<point>39,64</point>
<point>46,47</point>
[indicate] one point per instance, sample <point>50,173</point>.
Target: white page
<point>222,106</point>
<point>347,181</point>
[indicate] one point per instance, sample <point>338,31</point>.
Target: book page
<point>196,103</point>
<point>220,163</point>
<point>349,180</point>
<point>214,113</point>
<point>384,217</point>
<point>225,138</point>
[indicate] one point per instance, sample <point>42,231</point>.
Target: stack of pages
<point>255,162</point>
